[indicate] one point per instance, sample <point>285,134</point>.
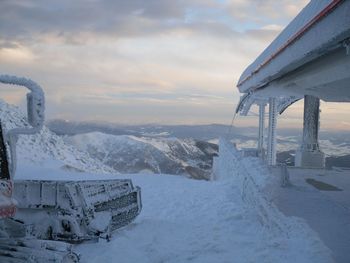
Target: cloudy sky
<point>143,61</point>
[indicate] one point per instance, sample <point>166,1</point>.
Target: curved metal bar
<point>283,105</point>
<point>35,113</point>
<point>242,101</point>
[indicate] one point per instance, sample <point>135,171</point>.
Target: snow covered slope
<point>46,146</point>
<point>131,154</point>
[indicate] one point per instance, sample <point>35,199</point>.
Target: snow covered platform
<point>322,198</point>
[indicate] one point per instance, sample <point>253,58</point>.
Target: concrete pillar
<point>309,154</point>
<point>261,128</point>
<point>271,143</point>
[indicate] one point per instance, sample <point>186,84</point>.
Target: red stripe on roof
<point>296,36</point>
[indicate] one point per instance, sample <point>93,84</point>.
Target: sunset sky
<point>154,61</point>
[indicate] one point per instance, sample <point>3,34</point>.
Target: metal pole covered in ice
<point>261,127</point>
<point>271,144</point>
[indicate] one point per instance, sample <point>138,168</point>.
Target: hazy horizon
<point>102,123</point>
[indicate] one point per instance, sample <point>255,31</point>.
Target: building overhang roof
<point>322,26</point>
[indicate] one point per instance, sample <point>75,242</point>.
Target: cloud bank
<point>135,61</point>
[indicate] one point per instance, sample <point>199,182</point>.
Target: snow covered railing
<point>35,113</point>
<point>35,102</point>
<point>250,178</point>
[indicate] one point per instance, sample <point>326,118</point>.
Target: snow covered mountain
<point>332,143</point>
<point>46,146</point>
<point>102,153</point>
<point>131,154</point>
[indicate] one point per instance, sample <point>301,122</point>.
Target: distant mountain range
<point>104,153</point>
<point>336,144</point>
<point>199,132</point>
<point>333,143</point>
<point>131,154</point>
<point>182,150</point>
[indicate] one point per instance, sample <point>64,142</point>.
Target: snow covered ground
<point>189,221</point>
<point>185,220</point>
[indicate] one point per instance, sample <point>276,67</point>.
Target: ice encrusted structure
<point>35,113</point>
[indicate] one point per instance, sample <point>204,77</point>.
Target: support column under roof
<point>309,154</point>
<point>271,143</point>
<point>261,128</point>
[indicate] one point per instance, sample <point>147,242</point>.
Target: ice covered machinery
<point>37,215</point>
<point>74,211</point>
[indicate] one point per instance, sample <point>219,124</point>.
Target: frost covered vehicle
<point>74,211</point>
<point>36,215</point>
